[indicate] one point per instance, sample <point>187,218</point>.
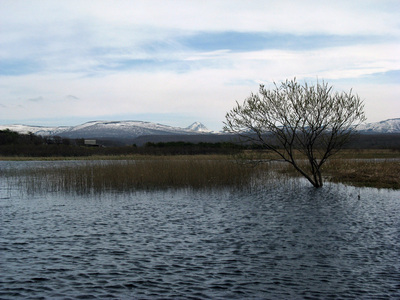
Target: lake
<point>284,240</point>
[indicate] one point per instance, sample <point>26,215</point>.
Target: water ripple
<point>278,242</point>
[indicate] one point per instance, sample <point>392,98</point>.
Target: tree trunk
<point>316,182</point>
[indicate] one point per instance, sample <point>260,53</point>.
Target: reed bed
<point>129,175</point>
<point>343,154</point>
<point>378,173</point>
<point>197,172</point>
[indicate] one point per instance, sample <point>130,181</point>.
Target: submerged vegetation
<point>365,173</point>
<point>188,171</point>
<point>129,175</point>
<point>377,173</point>
<point>178,165</point>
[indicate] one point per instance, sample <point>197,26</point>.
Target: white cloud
<point>336,17</point>
<point>90,49</point>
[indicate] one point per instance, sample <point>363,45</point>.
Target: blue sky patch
<point>381,78</point>
<point>18,67</point>
<point>253,41</point>
<point>390,77</point>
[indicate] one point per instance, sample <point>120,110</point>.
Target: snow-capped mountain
<point>127,129</point>
<point>199,127</point>
<point>108,129</point>
<point>386,126</point>
<point>134,129</point>
<point>38,130</point>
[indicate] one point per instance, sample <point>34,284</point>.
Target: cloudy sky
<point>176,62</point>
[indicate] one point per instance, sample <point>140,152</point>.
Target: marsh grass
<point>129,175</point>
<point>379,168</point>
<point>343,154</point>
<point>379,173</point>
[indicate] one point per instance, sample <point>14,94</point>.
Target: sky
<point>175,62</point>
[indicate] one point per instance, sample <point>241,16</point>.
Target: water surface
<point>280,241</point>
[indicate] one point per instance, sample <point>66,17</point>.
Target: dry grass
<point>379,168</point>
<point>379,173</point>
<point>128,175</point>
<point>358,168</point>
<point>371,173</point>
<point>118,157</point>
<point>343,154</point>
<point>367,154</point>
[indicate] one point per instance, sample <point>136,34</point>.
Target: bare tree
<point>298,122</point>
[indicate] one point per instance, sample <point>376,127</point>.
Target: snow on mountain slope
<point>199,127</point>
<point>386,126</point>
<point>107,129</point>
<point>134,129</point>
<point>38,130</point>
<point>128,129</point>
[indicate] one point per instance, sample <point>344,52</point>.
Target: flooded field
<point>281,240</point>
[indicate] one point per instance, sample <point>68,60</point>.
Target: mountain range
<point>135,129</point>
<point>109,129</point>
<point>387,126</point>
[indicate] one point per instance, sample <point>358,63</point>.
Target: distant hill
<point>380,134</point>
<point>109,129</point>
<point>38,130</point>
<point>386,126</point>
